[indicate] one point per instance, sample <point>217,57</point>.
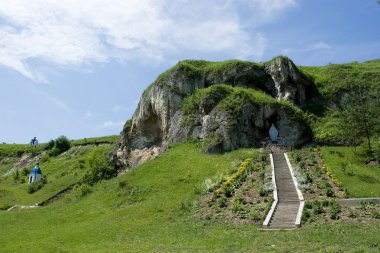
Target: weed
<point>222,202</point>
<point>330,192</point>
<point>375,214</point>
<point>334,210</point>
<point>317,207</point>
<point>83,189</point>
<point>305,215</point>
<point>366,205</point>
<point>352,214</point>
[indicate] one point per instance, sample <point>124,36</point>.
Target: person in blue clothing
<point>34,142</point>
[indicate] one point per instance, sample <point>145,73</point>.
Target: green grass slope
<point>150,209</point>
<point>334,79</point>
<point>61,171</point>
<point>360,180</point>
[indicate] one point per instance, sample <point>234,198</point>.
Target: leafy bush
<point>334,210</point>
<point>366,205</point>
<point>264,192</point>
<point>317,207</point>
<point>228,190</point>
<point>222,202</point>
<point>33,187</point>
<point>352,214</point>
<point>25,172</point>
<point>330,192</point>
<point>305,215</point>
<point>254,215</point>
<point>308,205</point>
<point>100,166</point>
<point>50,144</point>
<point>61,144</point>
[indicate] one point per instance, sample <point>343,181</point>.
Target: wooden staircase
<point>285,214</point>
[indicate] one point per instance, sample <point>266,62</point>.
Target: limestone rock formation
<point>160,119</point>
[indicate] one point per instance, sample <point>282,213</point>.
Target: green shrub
<point>254,215</point>
<point>366,205</point>
<point>308,205</point>
<point>100,167</point>
<point>33,187</point>
<point>62,144</point>
<point>330,192</point>
<point>317,208</point>
<point>325,203</point>
<point>222,202</point>
<point>45,158</point>
<point>302,165</point>
<point>228,191</point>
<point>352,214</point>
<point>296,156</point>
<point>25,172</point>
<point>50,144</point>
<point>334,210</point>
<point>375,214</point>
<point>263,192</point>
<point>237,208</point>
<point>305,215</point>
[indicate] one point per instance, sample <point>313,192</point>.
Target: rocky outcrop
<point>227,128</point>
<point>159,118</point>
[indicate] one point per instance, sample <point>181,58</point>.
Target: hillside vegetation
<point>353,88</point>
<point>335,79</point>
<point>60,171</point>
<point>185,200</point>
<point>151,209</point>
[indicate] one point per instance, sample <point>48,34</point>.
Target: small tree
<point>360,115</point>
<point>100,167</point>
<point>61,144</point>
<point>50,144</point>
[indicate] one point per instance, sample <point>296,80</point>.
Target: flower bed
<point>239,197</point>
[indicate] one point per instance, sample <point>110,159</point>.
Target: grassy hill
<point>61,171</point>
<point>153,208</point>
<point>164,205</point>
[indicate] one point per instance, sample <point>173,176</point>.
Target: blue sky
<point>78,67</point>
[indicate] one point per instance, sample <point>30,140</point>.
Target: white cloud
<point>70,33</point>
<point>272,7</point>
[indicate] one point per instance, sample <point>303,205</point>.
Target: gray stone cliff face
<point>159,118</point>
